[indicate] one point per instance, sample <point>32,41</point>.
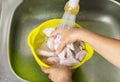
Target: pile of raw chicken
<point>71,55</point>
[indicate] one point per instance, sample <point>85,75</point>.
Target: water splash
<point>68,20</point>
<point>71,10</point>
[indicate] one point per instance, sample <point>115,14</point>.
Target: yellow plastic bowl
<point>37,37</point>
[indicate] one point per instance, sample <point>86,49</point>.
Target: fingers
<point>54,33</point>
<point>63,72</point>
<point>61,46</point>
<point>45,70</point>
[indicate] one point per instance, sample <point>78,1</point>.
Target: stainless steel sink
<point>100,16</point>
<point>0,7</point>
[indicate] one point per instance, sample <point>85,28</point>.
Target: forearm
<point>107,47</point>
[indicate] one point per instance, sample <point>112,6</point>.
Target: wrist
<point>84,34</point>
<point>81,34</point>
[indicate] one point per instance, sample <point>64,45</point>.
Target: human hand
<point>68,36</point>
<point>59,74</point>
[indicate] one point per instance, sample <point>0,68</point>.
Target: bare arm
<point>107,47</point>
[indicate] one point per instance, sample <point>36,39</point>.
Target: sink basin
<point>0,7</point>
<point>100,16</point>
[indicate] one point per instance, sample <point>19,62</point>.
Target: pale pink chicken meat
<point>71,55</point>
